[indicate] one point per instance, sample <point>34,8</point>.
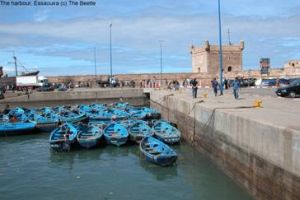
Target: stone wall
<point>204,79</point>
<point>259,156</point>
<point>134,96</point>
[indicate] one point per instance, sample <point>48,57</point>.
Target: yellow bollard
<point>257,103</point>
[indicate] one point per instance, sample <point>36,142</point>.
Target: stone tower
<point>206,58</point>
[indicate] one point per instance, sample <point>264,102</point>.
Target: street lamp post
<point>161,68</point>
<point>220,50</point>
<point>15,62</point>
<point>95,63</point>
<point>110,50</point>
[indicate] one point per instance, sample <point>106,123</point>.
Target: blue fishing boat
<point>71,117</point>
<point>165,132</point>
<point>151,113</point>
<point>63,137</point>
<point>100,124</point>
<point>45,122</point>
<point>138,114</point>
<point>17,111</point>
<point>116,134</point>
<point>126,123</point>
<point>103,115</point>
<point>121,105</point>
<point>98,106</point>
<point>44,110</point>
<point>4,118</point>
<point>19,114</point>
<point>138,131</point>
<point>109,114</point>
<point>119,114</point>
<point>88,136</point>
<point>16,128</point>
<point>143,113</point>
<point>157,152</point>
<point>83,109</point>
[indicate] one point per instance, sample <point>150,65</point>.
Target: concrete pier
<point>134,96</point>
<point>258,147</point>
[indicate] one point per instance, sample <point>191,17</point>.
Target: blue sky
<point>61,40</point>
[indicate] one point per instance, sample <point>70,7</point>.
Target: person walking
<point>226,83</point>
<point>236,87</point>
<point>194,84</point>
<point>215,85</point>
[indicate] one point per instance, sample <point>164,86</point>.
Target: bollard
<point>257,103</point>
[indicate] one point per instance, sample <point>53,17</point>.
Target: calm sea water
<point>30,170</point>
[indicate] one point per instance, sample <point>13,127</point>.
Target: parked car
<point>62,87</point>
<point>283,82</point>
<point>46,88</point>
<point>293,90</point>
<point>268,82</point>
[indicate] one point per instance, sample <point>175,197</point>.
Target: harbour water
<point>30,170</point>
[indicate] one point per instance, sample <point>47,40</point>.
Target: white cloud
<point>135,40</point>
<point>41,15</point>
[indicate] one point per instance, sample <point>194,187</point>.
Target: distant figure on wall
<point>226,84</point>
<point>236,87</point>
<point>215,85</point>
<point>194,84</point>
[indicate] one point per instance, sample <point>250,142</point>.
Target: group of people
<point>216,86</point>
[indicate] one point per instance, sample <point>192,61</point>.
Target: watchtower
<point>206,58</point>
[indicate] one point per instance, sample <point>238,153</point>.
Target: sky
<point>63,40</point>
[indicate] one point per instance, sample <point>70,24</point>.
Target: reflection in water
<point>68,158</point>
<point>62,158</point>
<point>29,168</point>
<point>160,173</point>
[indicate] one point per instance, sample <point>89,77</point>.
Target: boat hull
<point>117,141</point>
<point>157,152</point>
<point>89,136</point>
<point>18,128</point>
<point>166,133</point>
<point>116,134</point>
<point>46,127</point>
<point>63,138</point>
<point>89,143</point>
<point>60,146</point>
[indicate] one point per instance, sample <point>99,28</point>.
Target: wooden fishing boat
<point>138,131</point>
<point>72,117</point>
<point>151,113</point>
<point>120,105</point>
<point>98,106</point>
<point>63,137</point>
<point>126,123</point>
<point>16,128</point>
<point>83,109</point>
<point>100,124</point>
<point>157,152</point>
<point>138,114</point>
<point>45,122</point>
<point>100,115</point>
<point>116,134</point>
<point>165,132</point>
<point>119,114</point>
<point>88,136</point>
<point>143,113</point>
<point>109,114</point>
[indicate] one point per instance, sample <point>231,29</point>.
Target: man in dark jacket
<point>194,84</point>
<point>215,85</point>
